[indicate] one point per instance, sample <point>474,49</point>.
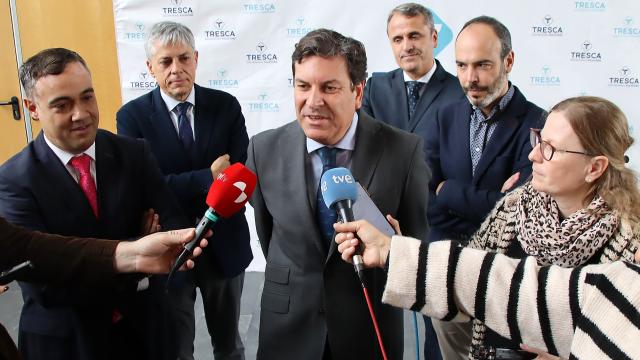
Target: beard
<point>493,90</point>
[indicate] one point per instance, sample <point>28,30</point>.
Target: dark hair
<point>410,10</point>
<point>47,62</point>
<point>501,31</point>
<point>329,43</point>
<point>603,129</point>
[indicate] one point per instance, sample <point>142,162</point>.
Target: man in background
<point>194,133</point>
<point>477,148</point>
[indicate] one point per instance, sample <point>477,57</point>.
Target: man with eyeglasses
<point>477,148</point>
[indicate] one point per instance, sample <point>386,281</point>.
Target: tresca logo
<point>143,81</point>
<point>258,7</point>
<point>135,33</point>
<point>299,29</point>
<point>218,29</point>
<point>545,77</point>
<point>624,78</point>
<point>586,53</point>
<point>177,8</point>
<point>590,5</point>
<point>223,80</point>
<point>261,55</point>
<point>263,104</point>
<point>627,28</point>
<point>547,27</point>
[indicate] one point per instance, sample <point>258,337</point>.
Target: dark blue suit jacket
<point>385,99</point>
<point>465,200</point>
<point>37,192</point>
<point>219,128</point>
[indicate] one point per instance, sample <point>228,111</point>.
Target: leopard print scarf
<point>570,242</point>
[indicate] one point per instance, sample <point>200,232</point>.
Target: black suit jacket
<point>37,192</point>
<point>310,293</point>
<point>465,200</point>
<point>385,99</point>
<point>219,129</point>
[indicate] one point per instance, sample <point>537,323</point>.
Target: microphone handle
<point>207,221</point>
<point>345,211</point>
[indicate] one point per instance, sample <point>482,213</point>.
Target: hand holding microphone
<point>227,195</point>
<point>361,234</point>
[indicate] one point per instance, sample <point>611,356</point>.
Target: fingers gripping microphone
<point>228,193</point>
<point>339,192</point>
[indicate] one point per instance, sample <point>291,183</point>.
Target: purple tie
<point>184,126</point>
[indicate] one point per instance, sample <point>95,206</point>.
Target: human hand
<point>395,224</point>
<point>3,288</point>
<point>375,244</point>
<point>155,253</point>
<point>511,181</point>
<point>150,222</point>
<point>542,355</point>
<point>221,163</point>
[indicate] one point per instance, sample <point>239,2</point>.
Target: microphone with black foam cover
<point>340,192</point>
<point>227,195</point>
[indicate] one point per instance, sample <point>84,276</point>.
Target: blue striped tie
<point>326,217</point>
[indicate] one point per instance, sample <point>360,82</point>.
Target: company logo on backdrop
<point>143,81</point>
<point>258,7</point>
<point>261,54</point>
<point>627,28</point>
<point>263,104</point>
<point>299,29</point>
<point>135,32</point>
<point>590,5</point>
<point>625,77</point>
<point>223,80</point>
<point>445,35</point>
<point>218,29</point>
<point>290,82</point>
<point>547,26</point>
<point>177,8</point>
<point>544,77</point>
<point>586,53</point>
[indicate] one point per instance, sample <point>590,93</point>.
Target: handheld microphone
<point>228,193</point>
<point>340,192</point>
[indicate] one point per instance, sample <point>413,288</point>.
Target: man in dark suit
<point>194,132</point>
<point>74,179</point>
<point>409,97</point>
<point>312,303</point>
<point>477,148</point>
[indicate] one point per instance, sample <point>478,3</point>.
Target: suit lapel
<point>435,85</point>
<point>203,124</point>
<point>399,96</point>
<point>161,121</point>
<point>67,191</point>
<point>508,123</point>
<point>107,178</point>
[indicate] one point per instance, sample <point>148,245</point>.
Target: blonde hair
<point>603,130</point>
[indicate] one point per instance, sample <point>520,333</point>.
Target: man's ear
<point>33,109</point>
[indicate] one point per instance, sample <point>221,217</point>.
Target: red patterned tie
<point>82,165</point>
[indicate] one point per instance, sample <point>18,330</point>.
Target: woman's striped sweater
<point>590,312</point>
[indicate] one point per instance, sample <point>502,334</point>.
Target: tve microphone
<point>227,195</point>
<point>340,192</point>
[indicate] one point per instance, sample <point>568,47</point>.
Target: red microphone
<point>227,195</point>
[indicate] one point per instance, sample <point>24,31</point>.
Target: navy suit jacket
<point>37,192</point>
<point>385,99</point>
<point>219,129</point>
<point>465,200</point>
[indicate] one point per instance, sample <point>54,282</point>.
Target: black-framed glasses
<point>547,150</point>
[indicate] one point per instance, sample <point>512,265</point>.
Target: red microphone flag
<point>231,190</point>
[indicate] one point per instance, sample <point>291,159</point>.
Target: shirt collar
<point>347,142</point>
<point>425,78</point>
<point>171,102</point>
<point>65,156</point>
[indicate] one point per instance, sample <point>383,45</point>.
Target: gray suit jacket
<point>310,294</point>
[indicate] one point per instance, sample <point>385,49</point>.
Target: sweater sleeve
<point>85,260</point>
<point>447,282</point>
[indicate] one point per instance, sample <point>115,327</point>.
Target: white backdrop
<point>563,48</point>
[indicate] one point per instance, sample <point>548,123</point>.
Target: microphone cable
<point>359,267</point>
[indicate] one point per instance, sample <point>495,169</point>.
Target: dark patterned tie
<point>326,217</point>
<point>413,95</point>
<point>184,126</point>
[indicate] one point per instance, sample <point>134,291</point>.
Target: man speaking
<point>312,303</point>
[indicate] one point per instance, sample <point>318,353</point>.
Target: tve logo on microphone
<point>339,179</point>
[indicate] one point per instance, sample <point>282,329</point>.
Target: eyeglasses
<point>547,150</point>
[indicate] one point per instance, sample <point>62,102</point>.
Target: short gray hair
<point>411,10</point>
<point>168,33</point>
